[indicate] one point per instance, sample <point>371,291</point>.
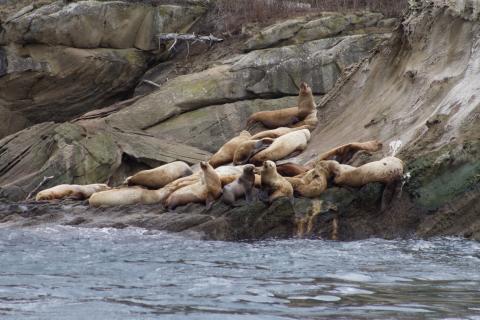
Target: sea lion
<point>310,122</point>
<point>248,148</point>
<point>207,190</point>
<point>126,196</point>
<point>161,176</point>
<point>290,169</point>
<point>72,191</point>
<point>275,133</point>
<point>388,170</point>
<point>225,154</point>
<point>312,183</point>
<point>344,153</point>
<point>242,186</point>
<point>138,195</point>
<point>288,116</point>
<point>284,146</point>
<point>274,185</point>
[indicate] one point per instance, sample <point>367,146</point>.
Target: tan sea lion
<point>312,183</point>
<point>388,170</point>
<point>288,116</point>
<point>161,176</point>
<point>290,169</point>
<point>249,148</point>
<point>125,196</point>
<point>274,185</point>
<point>284,146</point>
<point>72,191</point>
<point>344,153</point>
<point>205,191</point>
<point>138,195</point>
<point>243,186</point>
<point>227,151</point>
<point>275,133</point>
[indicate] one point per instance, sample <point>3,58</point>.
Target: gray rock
<point>103,24</point>
<point>81,154</point>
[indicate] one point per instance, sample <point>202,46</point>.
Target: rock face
<point>328,25</point>
<point>208,128</point>
<point>44,83</point>
<point>268,73</point>
<point>110,24</point>
<point>81,154</point>
<point>49,71</point>
<point>419,90</point>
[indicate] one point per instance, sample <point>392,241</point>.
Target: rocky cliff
<point>416,85</point>
<point>58,61</point>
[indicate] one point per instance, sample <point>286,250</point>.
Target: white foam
<point>395,146</point>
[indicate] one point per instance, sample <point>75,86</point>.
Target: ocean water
<point>74,273</point>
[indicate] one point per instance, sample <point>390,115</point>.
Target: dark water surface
<point>70,273</point>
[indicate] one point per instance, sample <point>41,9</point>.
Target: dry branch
<point>45,179</point>
<point>187,37</point>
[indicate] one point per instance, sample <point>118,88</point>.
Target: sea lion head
<point>378,144</point>
<point>204,165</point>
<point>306,133</point>
<point>249,169</point>
<point>269,165</point>
<point>305,89</point>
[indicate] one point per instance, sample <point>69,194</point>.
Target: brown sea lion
<point>312,183</point>
<point>344,153</point>
<point>388,170</point>
<point>249,148</point>
<point>290,169</point>
<point>72,191</point>
<point>310,122</point>
<point>243,186</point>
<point>161,176</point>
<point>284,146</point>
<point>205,191</point>
<point>274,185</point>
<point>227,151</point>
<point>288,116</point>
<point>275,133</point>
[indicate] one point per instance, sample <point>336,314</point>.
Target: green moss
<point>440,177</point>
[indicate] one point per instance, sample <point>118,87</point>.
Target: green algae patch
<point>440,177</point>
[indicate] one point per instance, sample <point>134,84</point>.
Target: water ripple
<point>67,273</point>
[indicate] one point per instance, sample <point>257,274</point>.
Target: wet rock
<point>251,222</point>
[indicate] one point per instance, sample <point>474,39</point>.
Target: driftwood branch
<point>187,37</point>
<point>45,179</point>
<point>152,83</point>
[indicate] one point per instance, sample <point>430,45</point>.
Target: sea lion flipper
<point>249,195</point>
